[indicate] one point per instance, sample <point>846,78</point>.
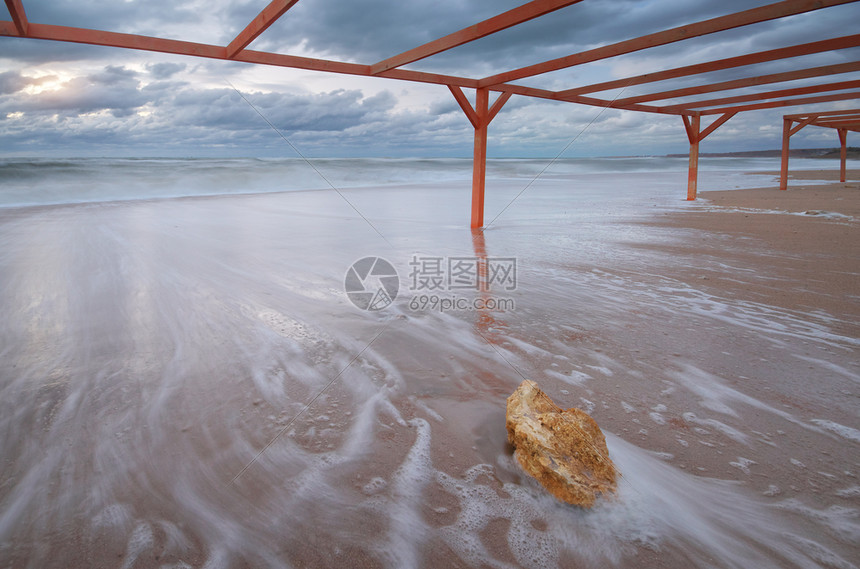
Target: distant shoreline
<point>853,153</point>
<point>825,153</point>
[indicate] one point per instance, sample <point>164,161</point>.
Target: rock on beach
<point>564,450</point>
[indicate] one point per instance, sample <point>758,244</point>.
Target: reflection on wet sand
<point>487,324</point>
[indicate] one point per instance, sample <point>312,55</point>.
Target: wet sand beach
<point>184,382</point>
<point>808,232</point>
<point>828,174</point>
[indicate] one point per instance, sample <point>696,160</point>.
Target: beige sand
<point>832,175</point>
<point>759,246</point>
<point>816,247</point>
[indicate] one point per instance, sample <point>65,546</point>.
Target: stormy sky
<point>59,99</point>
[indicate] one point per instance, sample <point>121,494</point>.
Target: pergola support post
<point>693,173</point>
<point>480,116</point>
<point>693,125</point>
<point>843,152</point>
<point>787,132</point>
<point>479,159</point>
<point>783,165</point>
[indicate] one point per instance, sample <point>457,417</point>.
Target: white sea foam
<point>718,522</point>
<point>827,215</point>
<point>850,492</point>
<point>846,432</point>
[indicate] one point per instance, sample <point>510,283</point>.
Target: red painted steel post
<point>479,165</point>
<point>783,168</point>
<point>843,152</point>
<point>693,176</point>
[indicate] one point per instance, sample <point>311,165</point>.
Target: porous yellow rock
<point>564,450</point>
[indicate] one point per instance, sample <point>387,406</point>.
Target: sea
<point>51,181</point>
<point>305,363</point>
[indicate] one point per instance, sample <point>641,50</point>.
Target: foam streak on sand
<point>151,348</point>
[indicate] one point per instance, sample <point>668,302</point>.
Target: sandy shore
<point>836,197</point>
<point>808,234</point>
<point>829,174</point>
<point>184,383</point>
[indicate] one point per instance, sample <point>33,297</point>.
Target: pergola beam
<point>784,103</point>
<point>258,25</point>
<point>823,114</point>
<point>715,125</point>
<point>841,121</point>
<point>805,122</point>
<point>693,125</point>
<point>433,78</point>
<point>464,103</point>
<point>115,39</point>
<point>722,23</point>
<point>480,116</point>
<point>508,19</point>
<point>19,17</point>
<point>840,117</point>
<point>838,124</point>
<point>591,101</point>
<point>769,95</point>
<point>741,83</point>
<point>497,105</point>
<point>720,64</point>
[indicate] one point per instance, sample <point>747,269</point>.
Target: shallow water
<point>183,382</point>
<point>44,181</point>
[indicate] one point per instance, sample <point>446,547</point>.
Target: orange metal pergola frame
<point>482,113</point>
<point>842,121</point>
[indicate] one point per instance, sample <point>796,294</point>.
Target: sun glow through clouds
<point>47,82</point>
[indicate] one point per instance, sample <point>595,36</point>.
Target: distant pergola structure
<point>769,94</point>
<point>842,121</point>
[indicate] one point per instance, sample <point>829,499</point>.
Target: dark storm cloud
<point>115,16</point>
<point>226,109</point>
<point>165,70</point>
<point>118,90</point>
<point>104,105</point>
<point>36,52</point>
<point>113,75</point>
<point>12,82</point>
<point>371,30</point>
